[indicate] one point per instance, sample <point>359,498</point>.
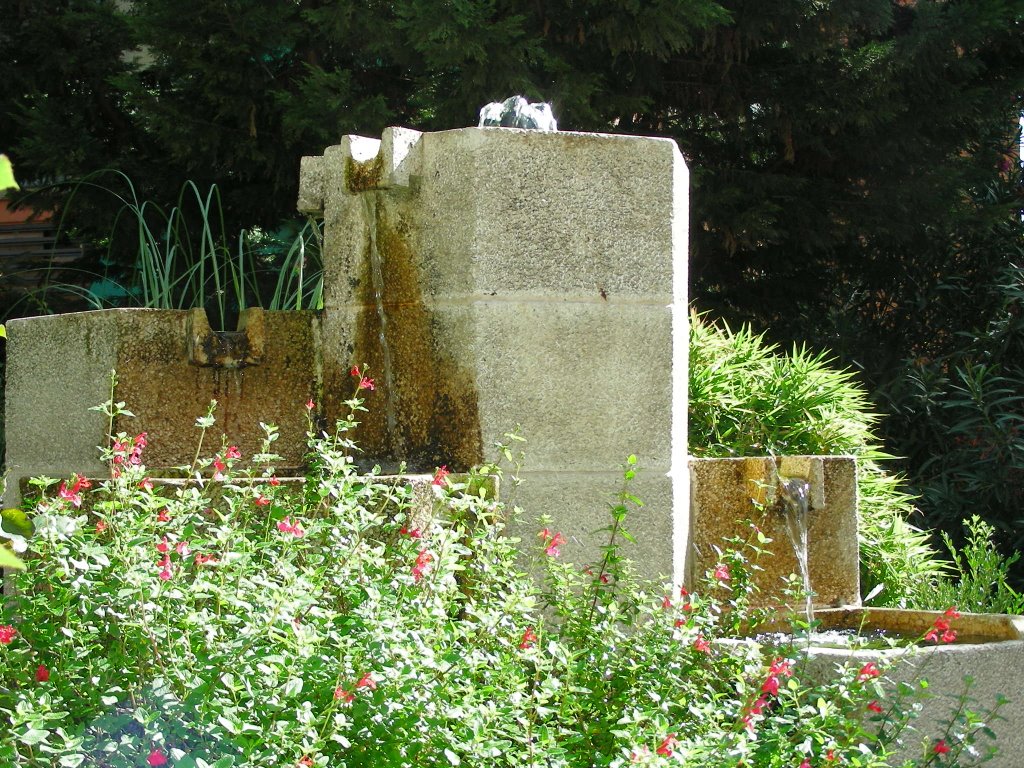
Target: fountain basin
<point>169,365</point>
<point>989,650</point>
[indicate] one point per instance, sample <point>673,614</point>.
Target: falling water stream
<point>795,495</point>
<point>377,278</point>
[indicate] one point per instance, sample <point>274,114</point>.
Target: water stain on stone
<point>435,400</point>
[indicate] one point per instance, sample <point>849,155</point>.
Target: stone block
<point>725,492</point>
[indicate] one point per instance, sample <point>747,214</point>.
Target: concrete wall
<point>495,277</point>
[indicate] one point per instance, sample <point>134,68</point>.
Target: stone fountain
<point>487,277</point>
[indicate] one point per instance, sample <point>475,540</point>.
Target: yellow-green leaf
<point>9,560</point>
<point>7,174</point>
<point>15,521</point>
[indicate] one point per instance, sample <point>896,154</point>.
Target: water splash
<point>377,281</point>
<point>795,493</point>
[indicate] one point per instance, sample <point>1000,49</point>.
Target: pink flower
<point>423,560</point>
<point>261,500</point>
<point>806,763</point>
<point>163,546</point>
<point>367,681</point>
<point>782,667</point>
<point>638,755</point>
<point>146,484</point>
<point>667,745</point>
<point>875,707</point>
<point>291,526</point>
<point>528,639</point>
<point>163,516</point>
<point>552,542</point>
<point>770,685</point>
<point>345,697</point>
<point>182,548</point>
<point>72,494</point>
<point>366,383</point>
<point>310,405</point>
<point>952,613</point>
<point>932,635</point>
<point>949,636</point>
<point>440,475</point>
<point>702,645</point>
<point>156,758</point>
<point>165,573</point>
<point>868,671</point>
<point>7,633</point>
<point>758,706</point>
<point>941,747</point>
<point>42,674</point>
<point>232,452</point>
<point>722,572</point>
<point>101,526</point>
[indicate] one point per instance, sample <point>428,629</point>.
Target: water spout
<point>794,498</point>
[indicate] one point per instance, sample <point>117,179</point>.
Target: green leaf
<point>9,560</point>
<point>16,522</point>
<point>3,331</point>
<point>7,175</point>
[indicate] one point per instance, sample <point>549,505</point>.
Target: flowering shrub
<point>237,620</point>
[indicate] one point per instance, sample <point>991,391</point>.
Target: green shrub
<point>235,621</point>
<point>747,398</point>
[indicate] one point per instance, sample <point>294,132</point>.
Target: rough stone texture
<point>490,277</point>
<point>723,493</point>
<point>993,657</point>
<point>59,367</point>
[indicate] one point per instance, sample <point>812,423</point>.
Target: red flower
<point>367,681</point>
<point>310,405</point>
<point>667,745</point>
<point>770,685</point>
<point>7,633</point>
<point>163,546</point>
<point>722,572</point>
<point>345,697</point>
<point>163,516</point>
<point>146,484</point>
<point>202,559</point>
<point>274,481</point>
<point>666,602</point>
<point>440,475</point>
<point>781,667</point>
<point>875,707</point>
<point>702,645</point>
<point>261,500</point>
<point>552,542</point>
<point>941,747</point>
<point>948,636</point>
<point>72,494</point>
<point>831,756</point>
<point>412,533</point>
<point>355,372</point>
<point>868,671</point>
<point>290,526</point>
<point>758,706</point>
<point>156,758</point>
<point>232,452</point>
<point>529,638</point>
<point>165,573</point>
<point>42,674</point>
<point>306,761</point>
<point>422,564</point>
<point>101,526</point>
<point>806,763</point>
<point>952,613</point>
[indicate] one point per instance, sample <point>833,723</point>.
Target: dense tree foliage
<point>843,153</point>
